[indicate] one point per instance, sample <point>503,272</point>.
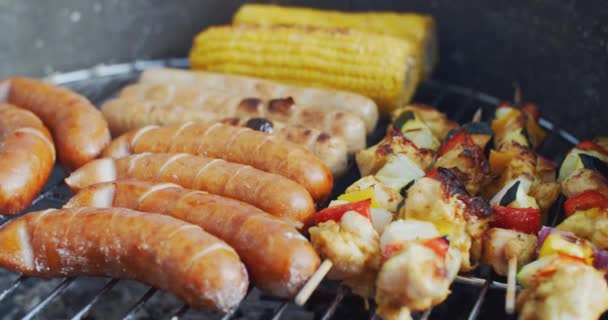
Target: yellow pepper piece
<point>557,243</point>
<point>499,161</point>
<point>361,195</point>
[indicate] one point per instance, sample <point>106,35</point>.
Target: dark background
<point>556,50</point>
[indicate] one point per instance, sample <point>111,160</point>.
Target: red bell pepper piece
<point>392,248</point>
<point>336,212</point>
<point>462,137</point>
<point>439,245</point>
<point>521,219</point>
<point>589,145</point>
<point>532,110</point>
<point>585,200</point>
<point>432,173</point>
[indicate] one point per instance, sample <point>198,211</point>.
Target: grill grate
<point>102,82</point>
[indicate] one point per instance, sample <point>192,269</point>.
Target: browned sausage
<point>344,125</point>
<point>79,129</point>
<point>234,144</point>
<point>270,192</point>
<point>155,249</point>
<point>124,115</point>
<point>364,107</point>
<point>278,258</point>
<point>27,156</point>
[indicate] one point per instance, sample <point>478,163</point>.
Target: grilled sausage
<point>79,129</point>
<point>240,145</point>
<point>269,192</point>
<point>361,106</point>
<point>278,258</point>
<point>27,156</point>
<point>128,114</point>
<point>157,250</point>
<point>344,125</point>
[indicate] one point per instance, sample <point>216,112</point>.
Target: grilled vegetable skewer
<point>583,175</point>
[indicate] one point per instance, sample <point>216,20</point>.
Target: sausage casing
<point>234,144</point>
<point>155,249</point>
<point>278,258</point>
<point>79,129</point>
<point>27,156</point>
<point>270,192</point>
<point>124,115</point>
<point>359,105</point>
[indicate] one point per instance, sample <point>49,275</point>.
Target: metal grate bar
<point>182,311</point>
<point>82,312</point>
<point>277,315</point>
<point>342,291</point>
<point>6,292</point>
<point>480,299</point>
<point>140,303</point>
<point>59,289</point>
<point>478,282</point>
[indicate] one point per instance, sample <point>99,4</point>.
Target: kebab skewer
<point>583,175</point>
<point>526,187</point>
<point>344,234</point>
<point>429,243</point>
<point>566,282</point>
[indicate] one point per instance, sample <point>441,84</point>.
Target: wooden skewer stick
<point>517,95</point>
<point>312,283</point>
<point>478,114</point>
<point>511,286</point>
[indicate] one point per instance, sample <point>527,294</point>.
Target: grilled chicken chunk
<point>512,161</point>
<point>589,224</point>
<point>370,160</point>
<point>353,246</point>
<point>415,277</point>
<point>468,162</point>
<point>584,179</point>
<point>570,290</point>
<point>453,212</point>
<point>500,245</point>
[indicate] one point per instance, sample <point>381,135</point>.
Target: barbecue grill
<point>556,50</point>
<point>475,295</point>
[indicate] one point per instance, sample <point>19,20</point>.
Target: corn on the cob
<point>380,67</point>
<point>417,28</point>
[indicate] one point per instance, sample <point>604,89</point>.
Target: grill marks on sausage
<point>250,105</point>
<point>282,106</point>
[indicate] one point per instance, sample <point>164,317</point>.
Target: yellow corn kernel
<point>380,67</point>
